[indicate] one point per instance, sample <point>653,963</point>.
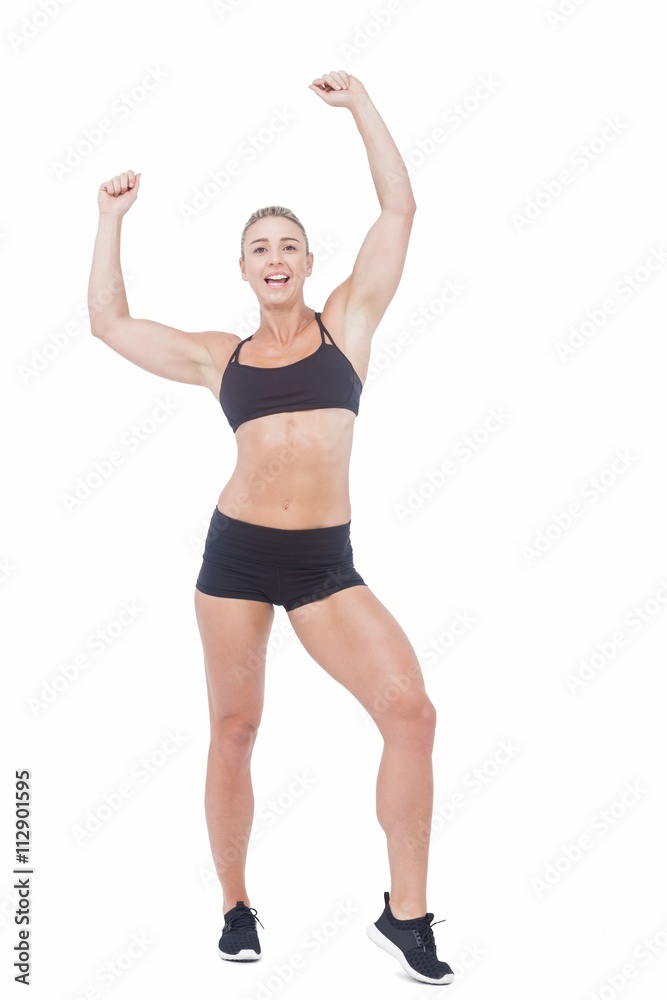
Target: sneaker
<point>412,943</point>
<point>239,941</point>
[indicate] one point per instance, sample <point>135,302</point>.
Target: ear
<point>309,264</point>
<point>243,271</point>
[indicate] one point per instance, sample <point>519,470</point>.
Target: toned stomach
<point>292,470</point>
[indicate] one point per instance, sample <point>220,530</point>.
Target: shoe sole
<point>245,955</point>
<point>378,938</point>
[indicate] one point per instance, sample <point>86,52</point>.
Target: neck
<point>283,323</point>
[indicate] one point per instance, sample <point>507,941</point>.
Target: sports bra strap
<point>235,354</point>
<point>323,329</point>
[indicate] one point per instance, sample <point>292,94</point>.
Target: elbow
<point>97,328</point>
<point>406,206</point>
<point>95,318</point>
<point>101,322</point>
<point>100,327</point>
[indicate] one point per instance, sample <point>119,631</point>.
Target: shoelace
<point>428,941</point>
<point>244,918</point>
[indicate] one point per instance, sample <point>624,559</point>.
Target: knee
<point>233,737</point>
<point>412,716</point>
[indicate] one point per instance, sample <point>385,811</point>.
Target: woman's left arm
<point>364,296</point>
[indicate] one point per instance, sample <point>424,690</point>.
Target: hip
<point>287,566</point>
<point>265,543</point>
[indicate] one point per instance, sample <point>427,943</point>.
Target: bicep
<point>160,349</point>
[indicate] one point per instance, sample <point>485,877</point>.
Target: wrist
<point>361,103</point>
<point>109,219</point>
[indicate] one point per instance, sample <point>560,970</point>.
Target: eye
<point>288,246</point>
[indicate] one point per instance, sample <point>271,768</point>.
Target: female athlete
<point>290,393</point>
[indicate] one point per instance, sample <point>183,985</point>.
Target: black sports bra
<point>321,380</point>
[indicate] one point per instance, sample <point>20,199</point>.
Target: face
<point>275,244</point>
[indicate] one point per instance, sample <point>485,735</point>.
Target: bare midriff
<point>292,470</point>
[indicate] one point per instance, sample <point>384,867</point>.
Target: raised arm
<point>363,297</point>
<point>162,350</point>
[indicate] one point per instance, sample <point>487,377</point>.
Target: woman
<point>291,392</point>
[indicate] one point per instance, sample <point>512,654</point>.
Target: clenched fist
<point>338,89</point>
<point>117,195</point>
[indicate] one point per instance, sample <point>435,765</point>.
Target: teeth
<point>275,277</point>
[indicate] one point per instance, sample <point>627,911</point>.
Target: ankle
<point>407,909</point>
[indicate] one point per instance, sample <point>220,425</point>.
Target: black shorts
<point>287,566</point>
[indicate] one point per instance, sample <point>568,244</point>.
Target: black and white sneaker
<point>239,941</point>
<point>412,943</point>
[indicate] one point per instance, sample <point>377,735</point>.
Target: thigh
<point>357,640</point>
<point>234,634</point>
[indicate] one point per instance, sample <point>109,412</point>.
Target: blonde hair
<point>272,210</point>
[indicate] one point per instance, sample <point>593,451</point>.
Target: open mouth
<point>277,279</point>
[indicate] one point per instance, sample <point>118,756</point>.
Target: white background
<point>521,917</point>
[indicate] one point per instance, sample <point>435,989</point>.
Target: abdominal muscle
<point>292,470</point>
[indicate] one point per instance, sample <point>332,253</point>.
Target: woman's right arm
<point>160,349</point>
